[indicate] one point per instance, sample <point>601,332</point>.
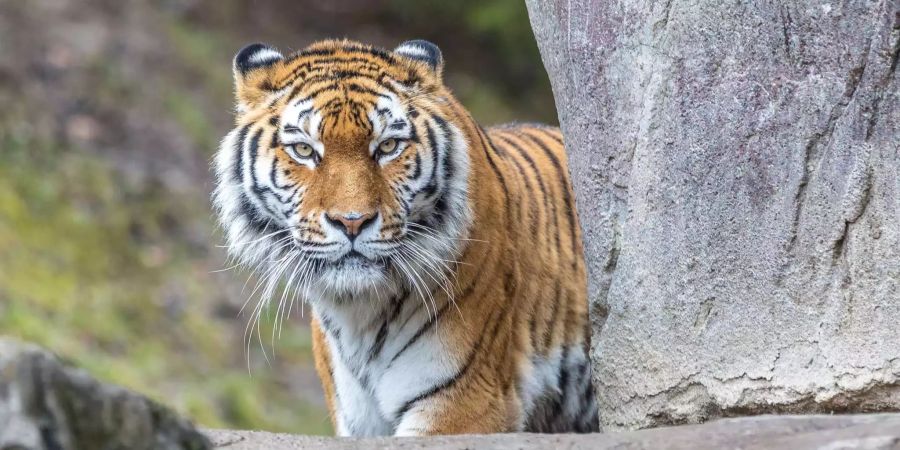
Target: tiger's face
<point>345,173</point>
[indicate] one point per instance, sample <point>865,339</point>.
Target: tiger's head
<point>347,171</point>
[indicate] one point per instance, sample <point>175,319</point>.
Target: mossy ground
<point>87,270</point>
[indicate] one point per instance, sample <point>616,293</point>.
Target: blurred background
<point>110,112</point>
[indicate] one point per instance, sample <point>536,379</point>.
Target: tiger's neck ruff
<point>356,178</point>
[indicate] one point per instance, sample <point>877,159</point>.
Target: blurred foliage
<point>88,269</point>
<point>492,57</point>
<point>111,112</point>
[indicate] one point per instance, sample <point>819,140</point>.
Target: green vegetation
<point>493,61</point>
<point>73,279</point>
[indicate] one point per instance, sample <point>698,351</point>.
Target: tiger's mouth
<point>356,260</point>
<point>352,273</point>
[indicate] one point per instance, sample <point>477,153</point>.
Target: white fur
<point>537,376</point>
<point>413,51</point>
<point>390,385</point>
<point>357,412</point>
<point>308,125</point>
<point>265,55</point>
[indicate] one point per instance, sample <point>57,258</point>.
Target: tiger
<point>442,262</point>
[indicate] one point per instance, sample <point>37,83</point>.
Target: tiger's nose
<point>351,224</point>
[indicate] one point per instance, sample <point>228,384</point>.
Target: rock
<point>45,404</point>
<point>881,432</point>
<point>737,171</point>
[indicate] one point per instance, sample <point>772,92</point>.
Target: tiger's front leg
<point>444,417</point>
<point>477,404</point>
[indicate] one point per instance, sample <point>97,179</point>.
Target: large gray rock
<point>46,405</point>
<point>737,170</point>
<point>864,432</point>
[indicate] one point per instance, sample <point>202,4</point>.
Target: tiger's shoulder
<point>529,140</point>
<point>537,175</point>
<point>534,150</point>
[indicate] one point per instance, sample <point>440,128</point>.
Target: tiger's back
<point>553,334</point>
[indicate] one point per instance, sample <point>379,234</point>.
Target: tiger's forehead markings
<point>318,59</point>
<point>334,79</point>
<point>345,104</point>
<point>388,115</point>
<point>363,70</point>
<point>345,89</point>
<point>301,119</point>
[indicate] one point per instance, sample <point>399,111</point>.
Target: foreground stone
<point>45,404</point>
<point>737,171</point>
<point>871,432</point>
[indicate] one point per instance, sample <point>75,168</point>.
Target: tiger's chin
<point>353,276</point>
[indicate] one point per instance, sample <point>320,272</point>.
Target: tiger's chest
<point>383,358</point>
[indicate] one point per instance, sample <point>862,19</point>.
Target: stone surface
<point>45,404</point>
<point>737,170</point>
<point>870,432</point>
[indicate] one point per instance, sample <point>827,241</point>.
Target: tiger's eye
<point>303,150</point>
<point>387,146</point>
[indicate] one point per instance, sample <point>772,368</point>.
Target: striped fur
<point>460,306</point>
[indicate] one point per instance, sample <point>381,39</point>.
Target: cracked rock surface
<point>47,405</point>
<point>737,171</point>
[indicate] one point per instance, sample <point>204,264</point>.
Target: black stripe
<point>273,173</point>
<point>554,316</point>
<point>353,87</point>
<point>254,183</point>
<point>304,112</point>
<point>486,145</point>
<point>446,171</point>
<point>335,334</point>
<point>396,226</point>
<point>449,169</point>
<point>246,207</point>
<point>417,172</point>
<point>373,51</point>
<point>334,84</point>
<point>570,311</point>
<point>431,187</point>
<point>534,168</point>
<point>258,224</point>
<point>529,192</point>
<point>397,125</point>
<point>562,377</point>
<point>331,59</point>
<point>549,133</point>
<point>413,132</point>
<point>239,154</point>
<point>317,65</point>
<point>382,332</point>
<point>567,199</point>
<point>421,331</point>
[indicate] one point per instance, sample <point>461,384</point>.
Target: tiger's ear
<point>255,69</point>
<point>423,51</point>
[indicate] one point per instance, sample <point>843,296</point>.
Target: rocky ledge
<point>47,404</point>
<point>867,431</point>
